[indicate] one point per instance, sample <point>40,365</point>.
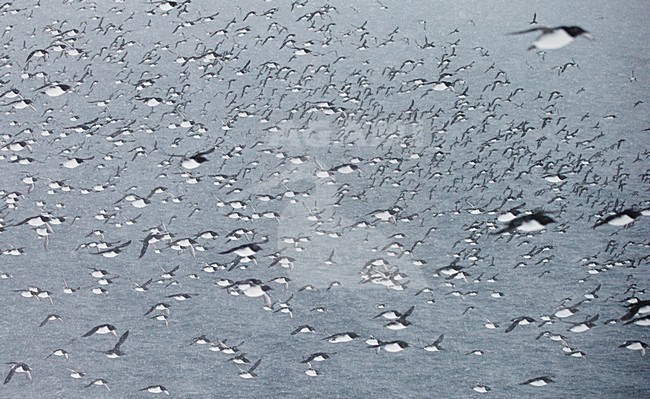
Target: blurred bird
<point>554,38</point>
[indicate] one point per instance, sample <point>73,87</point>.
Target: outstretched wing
<point>257,363</point>
<point>540,29</point>
<point>91,332</point>
<point>10,375</point>
<point>145,245</point>
<point>121,340</point>
<point>408,312</point>
<point>513,325</point>
<point>267,300</point>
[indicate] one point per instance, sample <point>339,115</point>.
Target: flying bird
<point>554,38</point>
<point>527,223</point>
<point>116,352</point>
<point>18,368</point>
<point>622,218</point>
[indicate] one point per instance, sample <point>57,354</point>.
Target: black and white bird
<point>250,373</point>
<point>18,368</point>
<point>390,346</point>
<point>538,382</point>
<point>637,309</point>
<point>635,346</point>
<point>341,337</point>
<point>528,223</point>
<point>520,321</point>
<point>400,323</point>
<point>155,389</point>
<point>245,250</point>
<point>554,38</point>
<point>116,352</point>
<point>196,160</point>
<point>101,329</point>
<point>622,218</point>
<point>435,346</point>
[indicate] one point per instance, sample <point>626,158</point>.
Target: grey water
<point>371,149</point>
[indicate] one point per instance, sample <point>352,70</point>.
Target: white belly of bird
<point>42,231</point>
<point>139,203</point>
<point>621,221</point>
<point>393,348</point>
<point>563,313</point>
<point>554,40</point>
<point>245,252</point>
<point>71,163</point>
<point>345,169</point>
<point>54,91</point>
<point>553,179</point>
<point>530,226</point>
<point>254,291</point>
<point>490,326</point>
<point>190,164</point>
<point>441,86</point>
<point>538,383</point>
<point>395,326</point>
<point>579,328</point>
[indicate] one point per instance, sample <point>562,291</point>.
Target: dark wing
<point>91,332</point>
<point>11,374</point>
<point>46,320</point>
<point>633,310</point>
<point>126,244</point>
<point>518,207</point>
<point>231,250</point>
<point>23,222</point>
<point>145,245</point>
<point>540,28</point>
<point>257,363</point>
<point>513,325</point>
<point>152,192</point>
<point>297,330</point>
<point>235,263</point>
<point>511,226</point>
<point>204,153</point>
<point>408,312</point>
<point>606,220</point>
<point>121,340</point>
<point>379,315</point>
<point>439,340</point>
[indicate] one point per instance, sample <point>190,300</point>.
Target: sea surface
<point>370,149</point>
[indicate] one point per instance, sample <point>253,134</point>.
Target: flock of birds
<point>285,167</point>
